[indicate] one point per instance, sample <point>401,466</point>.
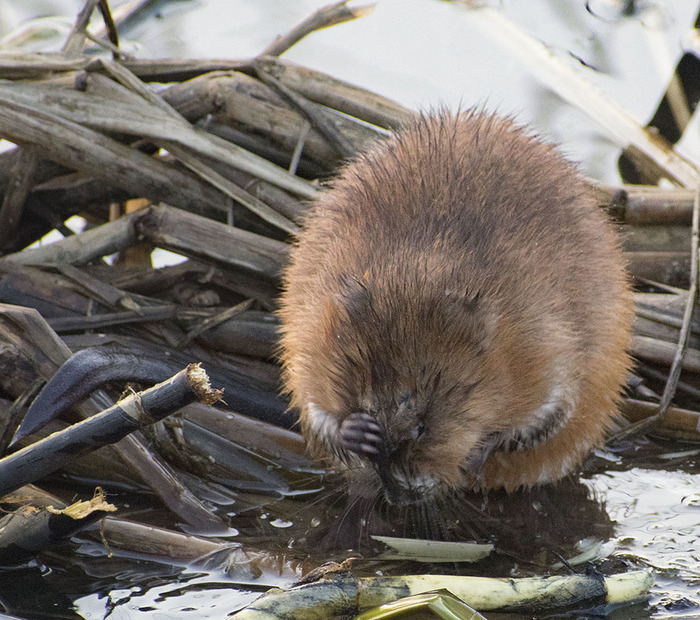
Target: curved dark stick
<point>91,368</point>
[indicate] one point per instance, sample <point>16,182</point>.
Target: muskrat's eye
<point>404,398</point>
<point>418,431</point>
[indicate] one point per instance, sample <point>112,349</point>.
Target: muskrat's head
<point>403,388</point>
<point>410,444</point>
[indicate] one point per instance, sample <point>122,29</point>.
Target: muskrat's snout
<point>362,435</point>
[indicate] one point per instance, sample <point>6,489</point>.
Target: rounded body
<point>456,313</point>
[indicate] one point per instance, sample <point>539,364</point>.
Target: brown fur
<point>451,277</point>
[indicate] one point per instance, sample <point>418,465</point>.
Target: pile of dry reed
<point>215,160</point>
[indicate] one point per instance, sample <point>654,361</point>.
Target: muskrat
<point>456,313</point>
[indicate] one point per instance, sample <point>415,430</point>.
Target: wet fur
<point>455,280</point>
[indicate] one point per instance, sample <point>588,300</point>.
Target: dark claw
<point>362,435</point>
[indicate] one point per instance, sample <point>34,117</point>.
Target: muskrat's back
<point>456,312</point>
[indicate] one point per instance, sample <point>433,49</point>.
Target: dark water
<point>636,508</point>
<point>656,507</point>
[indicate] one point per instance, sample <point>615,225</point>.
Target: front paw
<point>360,433</point>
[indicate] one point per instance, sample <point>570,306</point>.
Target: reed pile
<point>216,161</point>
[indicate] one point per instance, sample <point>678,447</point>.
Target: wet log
<point>196,275</point>
<point>129,414</point>
<point>342,593</point>
<point>28,530</point>
<point>662,352</point>
<point>252,333</point>
<point>74,145</point>
<point>170,229</point>
<point>225,99</point>
<point>676,423</point>
<point>665,267</point>
<point>646,205</point>
<point>338,94</point>
<point>38,65</point>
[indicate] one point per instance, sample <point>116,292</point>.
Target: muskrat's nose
<point>361,434</point>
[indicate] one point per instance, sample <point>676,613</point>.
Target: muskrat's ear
<point>471,301</point>
<point>351,300</point>
<point>475,313</point>
<point>463,301</point>
<point>354,297</point>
